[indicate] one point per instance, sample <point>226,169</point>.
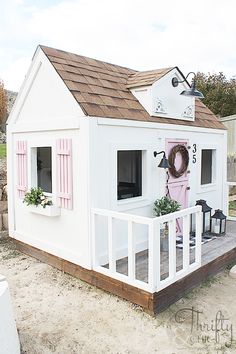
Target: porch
<point>215,247</point>
<point>215,255</point>
<point>163,274</point>
<point>211,250</point>
<point>141,272</point>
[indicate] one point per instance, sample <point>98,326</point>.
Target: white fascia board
<point>62,124</point>
<point>228,118</point>
<point>153,125</point>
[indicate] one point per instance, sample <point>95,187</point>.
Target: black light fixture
<point>192,92</point>
<point>164,161</point>
<point>206,216</point>
<point>218,223</point>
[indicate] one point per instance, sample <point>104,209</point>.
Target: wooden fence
<point>231,168</point>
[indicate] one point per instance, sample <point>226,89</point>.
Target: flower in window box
<point>36,197</point>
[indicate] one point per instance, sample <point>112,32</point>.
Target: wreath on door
<point>181,149</point>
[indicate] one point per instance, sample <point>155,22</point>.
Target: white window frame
<point>32,167</point>
<point>129,203</point>
<point>213,185</point>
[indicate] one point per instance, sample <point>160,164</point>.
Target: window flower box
<point>49,210</point>
<point>38,203</point>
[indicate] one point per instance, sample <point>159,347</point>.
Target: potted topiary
<point>163,206</point>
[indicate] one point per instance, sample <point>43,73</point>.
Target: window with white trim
<point>207,166</point>
<point>129,174</point>
<point>42,168</point>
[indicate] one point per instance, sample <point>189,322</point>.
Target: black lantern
<point>164,161</point>
<point>206,216</point>
<point>218,223</point>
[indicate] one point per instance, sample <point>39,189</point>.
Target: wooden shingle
<point>103,89</point>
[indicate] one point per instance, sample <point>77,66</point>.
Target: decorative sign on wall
<point>159,106</point>
<point>188,112</point>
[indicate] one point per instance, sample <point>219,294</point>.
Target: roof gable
<point>102,89</point>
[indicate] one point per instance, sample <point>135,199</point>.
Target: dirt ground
<point>56,313</point>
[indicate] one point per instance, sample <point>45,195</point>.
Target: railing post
<point>154,255</point>
<point>172,248</point>
<point>186,229</point>
<point>111,244</point>
<point>198,237</point>
<point>131,251</point>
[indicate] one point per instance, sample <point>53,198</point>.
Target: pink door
<point>177,187</point>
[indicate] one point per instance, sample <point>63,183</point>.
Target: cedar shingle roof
<point>102,89</point>
<point>145,78</point>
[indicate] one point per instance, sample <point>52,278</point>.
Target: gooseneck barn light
<point>192,92</point>
<point>164,161</point>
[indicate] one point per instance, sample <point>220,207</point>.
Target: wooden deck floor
<point>210,251</point>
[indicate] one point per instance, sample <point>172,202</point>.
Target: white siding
<point>111,135</point>
<point>65,235</point>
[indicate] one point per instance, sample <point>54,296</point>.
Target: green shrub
<point>165,206</point>
<point>3,151</point>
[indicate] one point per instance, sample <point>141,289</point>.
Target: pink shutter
<point>64,173</point>
<point>21,155</point>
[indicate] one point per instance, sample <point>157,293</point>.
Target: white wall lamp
<point>193,92</point>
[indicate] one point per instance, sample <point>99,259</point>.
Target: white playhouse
<point>85,131</point>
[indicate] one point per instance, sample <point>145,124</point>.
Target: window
<point>207,167</point>
<point>129,174</point>
<point>44,168</point>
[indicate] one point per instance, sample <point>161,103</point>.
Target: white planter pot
<point>164,240</point>
<point>49,210</point>
<point>9,341</point>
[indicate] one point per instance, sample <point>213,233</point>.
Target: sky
<point>195,35</point>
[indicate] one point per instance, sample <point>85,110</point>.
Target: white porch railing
<point>155,281</point>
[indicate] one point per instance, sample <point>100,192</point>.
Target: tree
<point>3,104</point>
<point>219,92</point>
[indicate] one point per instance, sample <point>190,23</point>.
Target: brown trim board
<point>175,291</point>
<point>152,303</point>
<point>116,287</point>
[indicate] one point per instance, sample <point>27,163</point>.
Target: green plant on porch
<point>37,197</point>
<point>165,205</point>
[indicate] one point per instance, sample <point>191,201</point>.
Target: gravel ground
<point>56,313</point>
<point>3,169</point>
